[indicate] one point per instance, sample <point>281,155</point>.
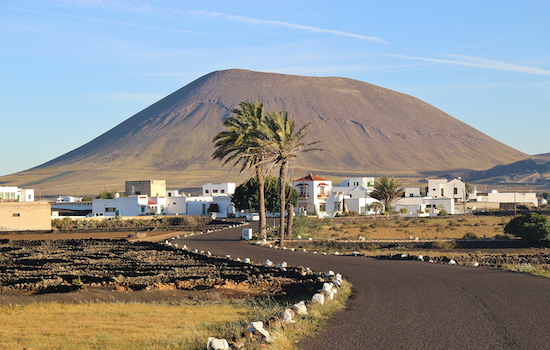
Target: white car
<point>253,217</point>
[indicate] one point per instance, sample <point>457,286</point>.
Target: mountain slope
<point>366,130</point>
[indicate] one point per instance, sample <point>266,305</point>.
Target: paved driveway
<point>412,304</point>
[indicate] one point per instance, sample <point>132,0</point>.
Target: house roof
<point>311,177</point>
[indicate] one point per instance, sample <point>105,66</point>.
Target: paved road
<point>415,305</point>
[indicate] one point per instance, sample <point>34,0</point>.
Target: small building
<point>353,194</point>
<point>493,196</point>
<point>424,206</point>
<point>129,206</point>
<point>25,216</point>
<point>16,194</point>
<point>151,188</point>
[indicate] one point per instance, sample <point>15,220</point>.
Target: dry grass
<point>114,326</point>
<point>287,337</point>
<point>450,228</point>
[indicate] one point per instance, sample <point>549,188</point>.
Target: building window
<point>456,190</point>
<point>110,210</point>
<point>205,191</point>
<point>16,215</point>
<point>356,184</point>
<point>411,194</point>
<point>223,191</point>
<point>442,192</point>
<point>215,191</point>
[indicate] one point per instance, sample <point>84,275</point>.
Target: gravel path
<point>416,305</point>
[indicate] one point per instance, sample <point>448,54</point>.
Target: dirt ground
<point>89,268</point>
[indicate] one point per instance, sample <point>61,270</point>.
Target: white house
<point>455,189</point>
<point>313,192</point>
<point>353,194</point>
<point>129,206</point>
<point>16,194</point>
<point>424,206</point>
<point>214,197</point>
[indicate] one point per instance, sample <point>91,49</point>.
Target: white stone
<point>326,287</point>
<point>330,273</point>
<point>475,264</point>
<point>217,344</point>
<point>452,262</point>
<point>318,298</point>
<point>421,258</point>
<point>247,260</point>
<point>268,263</point>
<point>259,327</point>
<point>300,308</point>
<point>287,316</point>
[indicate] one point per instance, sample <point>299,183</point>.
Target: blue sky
<point>71,70</point>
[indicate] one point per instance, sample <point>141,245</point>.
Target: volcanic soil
<point>117,270</point>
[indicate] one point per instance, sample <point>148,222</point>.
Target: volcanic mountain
<point>366,130</point>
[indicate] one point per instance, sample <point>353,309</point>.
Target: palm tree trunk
<point>261,185</point>
<point>290,220</point>
<point>282,175</point>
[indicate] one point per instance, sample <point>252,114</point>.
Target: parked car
<point>253,217</point>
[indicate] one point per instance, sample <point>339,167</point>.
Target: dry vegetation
<point>114,326</point>
<point>153,326</point>
<point>435,228</point>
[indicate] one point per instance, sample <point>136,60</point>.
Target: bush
<point>470,235</point>
<point>530,227</point>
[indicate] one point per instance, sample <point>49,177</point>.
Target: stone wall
<point>25,216</point>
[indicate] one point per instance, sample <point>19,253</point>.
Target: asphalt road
<point>416,305</point>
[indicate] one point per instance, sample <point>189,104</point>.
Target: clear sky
<point>71,70</point>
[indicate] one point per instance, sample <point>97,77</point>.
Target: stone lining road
<point>415,305</point>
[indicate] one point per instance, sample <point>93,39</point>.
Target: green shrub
<point>530,227</point>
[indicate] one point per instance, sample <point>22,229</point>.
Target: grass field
<point>115,326</point>
<point>151,326</point>
<point>447,228</point>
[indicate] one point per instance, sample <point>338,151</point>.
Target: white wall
<point>218,189</point>
<point>413,204</point>
<point>175,205</point>
<point>509,197</point>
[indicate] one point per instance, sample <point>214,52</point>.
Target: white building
<point>313,192</point>
<point>129,206</point>
<point>353,194</point>
<point>424,206</point>
<point>16,194</point>
<point>493,196</point>
<point>68,199</point>
<point>226,188</point>
<point>455,189</point>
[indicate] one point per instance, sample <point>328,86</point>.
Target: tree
<point>387,191</point>
<point>283,145</point>
<point>242,143</point>
<point>247,195</point>
<point>531,227</point>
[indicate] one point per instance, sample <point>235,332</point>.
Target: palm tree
<point>387,191</point>
<point>241,143</point>
<point>283,145</point>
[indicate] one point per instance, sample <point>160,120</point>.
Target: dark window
<point>110,210</point>
<point>456,190</point>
